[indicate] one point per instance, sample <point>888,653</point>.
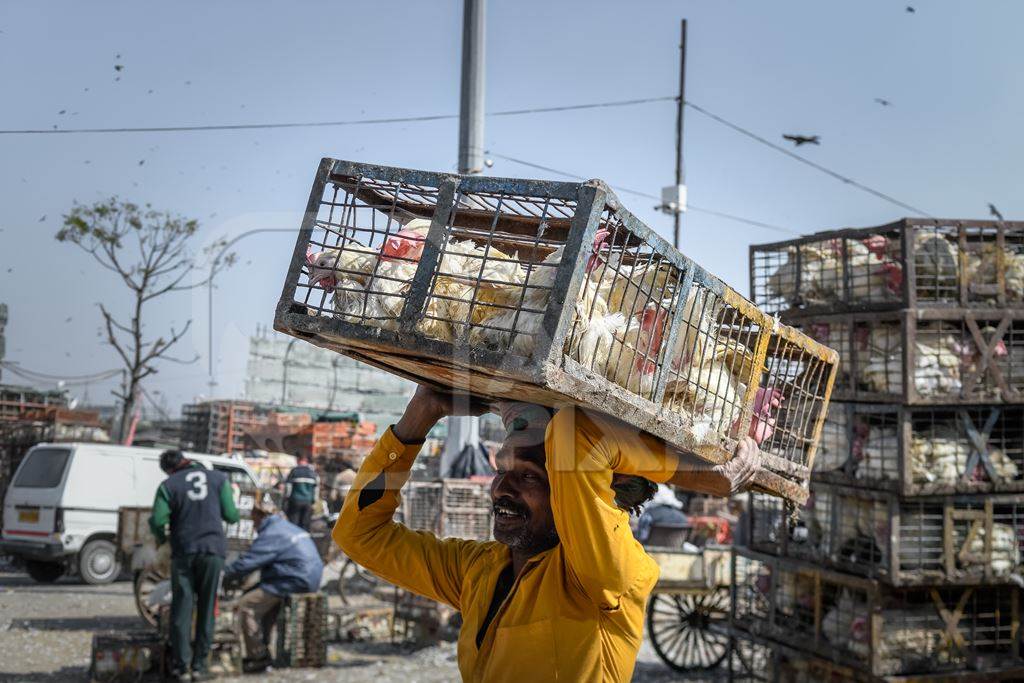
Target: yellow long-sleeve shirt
<point>575,612</point>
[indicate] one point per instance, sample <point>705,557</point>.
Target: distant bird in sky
<point>62,111</point>
<point>68,320</point>
<point>10,270</point>
<point>910,10</point>
<point>884,102</point>
<point>141,162</point>
<point>119,67</point>
<point>803,139</point>
<point>85,90</point>
<point>149,92</point>
<point>993,211</point>
<point>43,218</point>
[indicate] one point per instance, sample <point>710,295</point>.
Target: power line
<point>646,195</point>
<point>812,164</point>
<point>325,124</point>
<point>32,374</point>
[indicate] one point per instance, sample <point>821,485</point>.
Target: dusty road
<point>46,634</point>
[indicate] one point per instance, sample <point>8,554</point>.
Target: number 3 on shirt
<point>198,481</point>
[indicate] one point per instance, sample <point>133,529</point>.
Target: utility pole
<point>463,431</point>
<point>673,197</point>
<point>471,100</point>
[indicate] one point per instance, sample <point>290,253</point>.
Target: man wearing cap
<point>560,594</point>
<point>288,562</point>
<point>193,501</point>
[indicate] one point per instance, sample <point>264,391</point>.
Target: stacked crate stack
<point>906,559</point>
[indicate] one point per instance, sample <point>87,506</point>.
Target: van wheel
<point>97,562</point>
<point>44,572</point>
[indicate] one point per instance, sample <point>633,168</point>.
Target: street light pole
<point>209,291</point>
<point>463,431</point>
<point>680,177</point>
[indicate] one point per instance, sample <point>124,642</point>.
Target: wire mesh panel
<point>420,507</point>
<point>911,358</point>
<point>922,451</point>
<point>551,293</point>
<point>881,632</point>
<point>965,540</point>
<point>913,262</point>
<point>466,509</point>
<point>302,631</point>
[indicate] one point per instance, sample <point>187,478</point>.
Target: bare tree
<point>150,251</point>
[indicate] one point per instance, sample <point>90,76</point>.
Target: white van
<point>60,511</point>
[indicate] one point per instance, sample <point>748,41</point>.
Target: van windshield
<point>43,468</point>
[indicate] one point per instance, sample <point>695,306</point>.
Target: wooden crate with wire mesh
<point>874,630</point>
<point>912,263</point>
<point>551,293</point>
<point>923,451</point>
<point>923,357</point>
<point>966,540</point>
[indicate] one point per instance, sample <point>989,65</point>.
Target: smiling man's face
<point>521,495</point>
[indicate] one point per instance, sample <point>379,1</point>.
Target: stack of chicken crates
<point>906,558</point>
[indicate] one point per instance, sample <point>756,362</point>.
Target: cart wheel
<point>145,581</point>
<point>679,628</point>
<point>355,583</point>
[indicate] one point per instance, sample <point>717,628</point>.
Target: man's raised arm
<point>415,560</point>
<point>583,451</point>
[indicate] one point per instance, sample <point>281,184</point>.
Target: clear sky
<point>950,143</point>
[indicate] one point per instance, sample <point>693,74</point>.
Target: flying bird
<point>883,102</point>
<point>119,67</point>
<point>142,162</point>
<point>803,139</point>
<point>43,218</point>
<point>910,10</point>
<point>993,211</point>
<point>62,111</point>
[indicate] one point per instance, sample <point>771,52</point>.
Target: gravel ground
<point>46,635</point>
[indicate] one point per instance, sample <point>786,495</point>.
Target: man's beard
<point>522,538</point>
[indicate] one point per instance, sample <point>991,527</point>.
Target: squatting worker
<point>288,562</point>
<point>194,501</point>
<point>561,593</point>
<point>301,489</point>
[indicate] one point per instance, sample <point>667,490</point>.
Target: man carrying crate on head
<point>561,593</point>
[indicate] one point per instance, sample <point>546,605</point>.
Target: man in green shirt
<point>192,501</point>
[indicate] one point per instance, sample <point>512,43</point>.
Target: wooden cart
<point>688,613</point>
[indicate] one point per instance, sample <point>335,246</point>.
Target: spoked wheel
<point>680,629</point>
<point>355,583</point>
<point>145,581</point>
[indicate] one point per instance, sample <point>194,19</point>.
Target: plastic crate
<point>922,358</point>
<point>449,280</point>
<point>916,541</point>
<point>302,631</point>
<point>923,451</point>
<point>911,263</point>
<point>871,629</point>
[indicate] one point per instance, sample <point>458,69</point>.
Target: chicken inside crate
<point>946,359</point>
<point>551,293</point>
<point>912,262</point>
<point>923,451</point>
<point>872,628</point>
<point>914,541</point>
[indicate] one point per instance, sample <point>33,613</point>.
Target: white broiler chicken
<point>516,329</point>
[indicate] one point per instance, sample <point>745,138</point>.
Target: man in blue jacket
<point>288,562</point>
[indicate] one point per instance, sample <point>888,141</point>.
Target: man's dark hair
<point>172,460</point>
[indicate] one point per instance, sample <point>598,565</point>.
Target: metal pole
<point>464,431</point>
<point>680,176</point>
<point>471,105</point>
<point>209,291</point>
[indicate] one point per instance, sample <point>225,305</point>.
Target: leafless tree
<point>151,251</point>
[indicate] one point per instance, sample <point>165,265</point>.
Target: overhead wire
<point>70,379</point>
<point>646,195</point>
<point>325,124</point>
<point>827,171</point>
